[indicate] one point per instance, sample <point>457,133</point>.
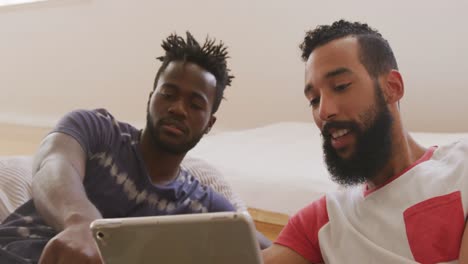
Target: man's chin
<point>175,145</point>
<point>171,140</point>
<point>345,154</point>
<point>172,148</point>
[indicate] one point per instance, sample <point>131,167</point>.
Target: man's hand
<point>74,245</point>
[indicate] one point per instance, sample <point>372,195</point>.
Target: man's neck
<point>405,152</point>
<point>162,167</point>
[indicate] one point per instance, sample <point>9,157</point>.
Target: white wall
<point>65,54</point>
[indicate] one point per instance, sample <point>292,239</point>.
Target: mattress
<point>280,167</point>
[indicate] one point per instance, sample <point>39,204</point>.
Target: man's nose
<point>327,108</point>
<point>178,108</point>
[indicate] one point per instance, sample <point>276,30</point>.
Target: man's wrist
<point>79,219</point>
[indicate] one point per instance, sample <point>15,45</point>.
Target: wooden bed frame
<point>268,223</point>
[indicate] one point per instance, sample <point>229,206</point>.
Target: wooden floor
<point>24,140</point>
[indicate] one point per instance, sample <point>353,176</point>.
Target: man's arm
<point>463,258</point>
<point>60,198</point>
<point>263,241</point>
<point>277,254</point>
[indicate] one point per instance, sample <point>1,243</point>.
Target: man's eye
<point>342,87</point>
<point>314,102</point>
<point>166,94</point>
<point>197,106</point>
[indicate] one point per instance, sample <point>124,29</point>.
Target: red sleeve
<point>301,232</point>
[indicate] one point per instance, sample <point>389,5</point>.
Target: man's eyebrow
<point>200,96</point>
<point>170,85</point>
<point>308,88</point>
<point>342,70</point>
<point>194,94</point>
<point>337,72</point>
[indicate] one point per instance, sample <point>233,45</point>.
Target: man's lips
<point>341,138</point>
<point>336,133</point>
<point>339,134</point>
<point>174,127</point>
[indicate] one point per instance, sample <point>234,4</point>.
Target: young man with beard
<point>92,166</point>
<point>403,203</point>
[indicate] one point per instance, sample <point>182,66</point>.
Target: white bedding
<point>279,167</point>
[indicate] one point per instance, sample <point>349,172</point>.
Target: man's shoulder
<point>92,112</point>
<point>313,216</point>
<point>301,234</point>
<point>103,116</point>
<point>99,114</point>
<point>457,149</point>
<point>96,130</point>
<point>318,213</point>
<point>96,113</point>
<point>85,118</point>
<point>462,144</point>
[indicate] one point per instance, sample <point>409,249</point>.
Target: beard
<point>372,148</point>
<point>155,132</point>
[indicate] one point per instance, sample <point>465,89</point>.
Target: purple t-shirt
<point>116,182</point>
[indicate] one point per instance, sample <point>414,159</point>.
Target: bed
<point>279,167</point>
<point>275,170</point>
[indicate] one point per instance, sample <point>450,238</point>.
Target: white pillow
<point>211,176</point>
<point>15,183</point>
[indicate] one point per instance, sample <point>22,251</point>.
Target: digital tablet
<point>209,238</point>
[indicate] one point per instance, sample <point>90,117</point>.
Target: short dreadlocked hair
<point>374,51</point>
<point>211,57</point>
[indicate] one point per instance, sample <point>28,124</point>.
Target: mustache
<point>173,122</point>
<point>325,131</point>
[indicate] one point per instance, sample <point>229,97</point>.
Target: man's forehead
<point>347,46</point>
<point>339,53</point>
<point>177,70</point>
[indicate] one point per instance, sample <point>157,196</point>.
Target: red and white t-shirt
<point>417,216</point>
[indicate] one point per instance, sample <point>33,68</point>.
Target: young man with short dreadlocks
<point>92,166</point>
<point>403,203</point>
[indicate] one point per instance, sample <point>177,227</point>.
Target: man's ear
<point>394,87</point>
<point>149,99</point>
<point>210,124</point>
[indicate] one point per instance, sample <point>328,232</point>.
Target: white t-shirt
<point>416,217</point>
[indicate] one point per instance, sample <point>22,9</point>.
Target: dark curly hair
<point>374,51</point>
<point>211,57</point>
